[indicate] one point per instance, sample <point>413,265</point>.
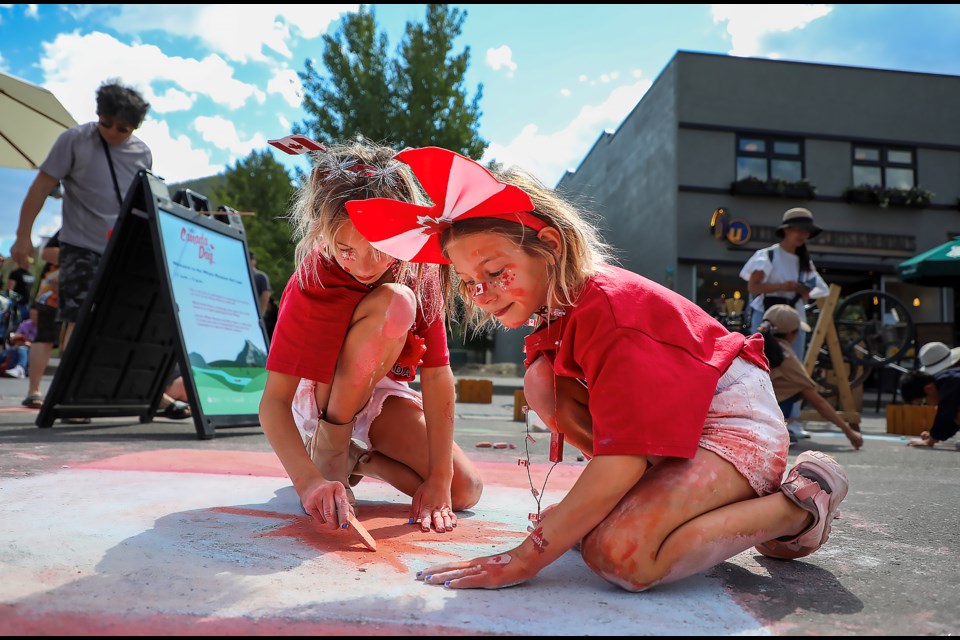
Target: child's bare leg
<point>683,517</point>
<point>400,434</point>
<point>375,338</point>
<point>561,403</point>
<point>379,466</point>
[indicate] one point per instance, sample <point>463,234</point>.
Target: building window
<point>769,158</point>
<point>887,167</point>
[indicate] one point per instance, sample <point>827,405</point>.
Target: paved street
<point>121,528</point>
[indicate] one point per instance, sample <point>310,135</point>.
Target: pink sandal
<point>816,483</point>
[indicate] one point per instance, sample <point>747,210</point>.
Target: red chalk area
<point>387,524</point>
<point>266,464</point>
<point>17,409</point>
<point>14,621</point>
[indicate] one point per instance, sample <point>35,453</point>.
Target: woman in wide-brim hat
<point>784,274</point>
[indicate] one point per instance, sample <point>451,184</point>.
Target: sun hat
<point>936,356</point>
<point>785,319</point>
<point>801,219</point>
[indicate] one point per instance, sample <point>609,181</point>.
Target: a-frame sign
<point>173,286</point>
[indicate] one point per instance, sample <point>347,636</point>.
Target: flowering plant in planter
<point>774,187</point>
<point>915,196</point>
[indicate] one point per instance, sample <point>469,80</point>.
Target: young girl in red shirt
<point>353,327</point>
<point>677,415</point>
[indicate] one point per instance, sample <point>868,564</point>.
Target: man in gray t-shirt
<point>95,162</point>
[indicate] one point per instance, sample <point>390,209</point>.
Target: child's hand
<point>491,572</point>
<point>924,441</point>
<point>326,502</point>
<point>432,506</point>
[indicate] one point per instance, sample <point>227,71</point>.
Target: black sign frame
<point>129,335</point>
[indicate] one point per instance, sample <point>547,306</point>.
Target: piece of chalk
<point>500,445</point>
<point>484,445</point>
<point>368,540</point>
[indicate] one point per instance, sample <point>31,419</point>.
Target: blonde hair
<point>582,249</point>
<point>356,170</point>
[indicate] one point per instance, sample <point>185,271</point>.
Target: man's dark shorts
<point>78,267</point>
<point>48,329</point>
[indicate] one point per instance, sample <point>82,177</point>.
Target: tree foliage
<point>416,99</point>
<point>260,184</point>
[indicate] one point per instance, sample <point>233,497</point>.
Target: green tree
<point>416,99</point>
<point>260,184</point>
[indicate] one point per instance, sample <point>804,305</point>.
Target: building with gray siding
<point>749,138</point>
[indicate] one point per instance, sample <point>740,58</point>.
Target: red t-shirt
<point>313,320</point>
<point>651,360</point>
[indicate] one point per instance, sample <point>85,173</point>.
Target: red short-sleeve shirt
<point>313,320</point>
<point>651,360</point>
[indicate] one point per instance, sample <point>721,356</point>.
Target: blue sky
<point>222,79</point>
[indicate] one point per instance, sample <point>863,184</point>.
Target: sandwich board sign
<point>174,287</point>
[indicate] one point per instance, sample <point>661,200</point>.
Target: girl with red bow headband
<point>686,443</point>
<point>353,327</point>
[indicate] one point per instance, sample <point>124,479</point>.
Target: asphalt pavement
<point>123,528</point>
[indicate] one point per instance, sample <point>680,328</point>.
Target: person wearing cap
<point>791,382</point>
<point>936,382</point>
<point>784,273</point>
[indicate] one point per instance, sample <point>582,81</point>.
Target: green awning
<point>938,267</point>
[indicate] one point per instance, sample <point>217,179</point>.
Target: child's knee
<point>466,490</point>
<point>399,309</point>
<point>538,388</point>
<point>620,561</point>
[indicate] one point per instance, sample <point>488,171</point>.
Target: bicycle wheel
<point>874,327</point>
<point>824,375</point>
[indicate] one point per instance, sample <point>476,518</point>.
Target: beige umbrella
<point>31,118</point>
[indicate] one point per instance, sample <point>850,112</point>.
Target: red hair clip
<point>460,188</point>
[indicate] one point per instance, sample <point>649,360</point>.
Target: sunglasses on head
<point>111,124</point>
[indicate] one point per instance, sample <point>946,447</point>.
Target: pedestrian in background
<point>784,273</point>
<point>45,302</point>
<point>261,284</point>
<point>95,163</point>
<point>791,382</point>
<point>937,384</point>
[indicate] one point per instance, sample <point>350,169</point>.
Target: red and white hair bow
<point>460,189</point>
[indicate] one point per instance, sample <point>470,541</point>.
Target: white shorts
<point>745,426</point>
<point>305,413</point>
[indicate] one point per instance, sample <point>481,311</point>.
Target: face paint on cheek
<point>478,289</point>
<point>506,279</point>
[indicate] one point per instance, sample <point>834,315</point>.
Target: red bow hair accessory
<point>461,189</point>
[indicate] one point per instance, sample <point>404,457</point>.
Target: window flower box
<point>916,197</point>
<point>774,187</point>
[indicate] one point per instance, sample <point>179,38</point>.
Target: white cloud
<point>174,157</point>
<point>286,83</point>
<point>74,66</point>
<point>223,134</point>
<point>548,155</point>
<point>566,93</point>
<point>502,56</point>
<point>240,35</point>
<point>747,24</point>
<point>171,100</point>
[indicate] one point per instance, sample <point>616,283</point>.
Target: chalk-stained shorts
<point>745,426</point>
<point>305,412</point>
